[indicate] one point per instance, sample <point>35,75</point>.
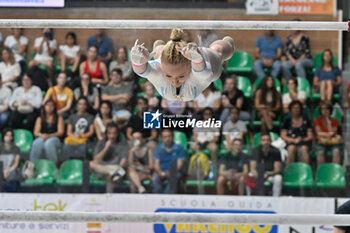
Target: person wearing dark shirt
<point>343,209</point>
<point>298,55</point>
<point>233,167</point>
<point>270,156</point>
<point>104,45</point>
<point>297,133</point>
<point>233,97</point>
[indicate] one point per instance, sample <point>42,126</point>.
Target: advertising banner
<point>306,7</point>
<point>31,3</point>
<point>161,203</point>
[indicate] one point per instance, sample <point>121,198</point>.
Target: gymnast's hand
<point>192,52</point>
<point>140,55</point>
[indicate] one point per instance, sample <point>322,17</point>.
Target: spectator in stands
<point>5,97</point>
<point>61,95</point>
<point>292,95</point>
<point>103,118</point>
<point>207,138</point>
<point>94,67</point>
<point>80,129</point>
<point>18,44</point>
<point>343,209</point>
<point>136,125</point>
<point>327,132</point>
<point>233,97</point>
<point>268,51</point>
<point>104,45</point>
<point>9,68</point>
<point>69,54</point>
<point>210,97</point>
<point>110,156</point>
<point>49,128</point>
<point>297,133</point>
<point>122,63</point>
<point>119,94</point>
<point>271,157</point>
<point>327,77</point>
<point>140,163</point>
<point>233,129</point>
<point>150,95</point>
<point>87,89</point>
<point>25,103</point>
<point>187,36</point>
<point>267,102</point>
<point>233,167</point>
<point>10,156</point>
<point>298,55</point>
<point>164,155</point>
<point>45,47</point>
<point>208,37</point>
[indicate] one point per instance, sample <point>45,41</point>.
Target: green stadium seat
<point>298,175</point>
<point>71,173</point>
<point>257,122</point>
<point>330,175</point>
<point>23,139</point>
<point>245,85</point>
<point>180,138</point>
<point>335,114</point>
<point>318,61</point>
<point>218,85</point>
<point>259,80</point>
<point>94,180</point>
<point>256,138</point>
<point>45,173</point>
<point>303,85</point>
<point>240,62</point>
<point>205,183</point>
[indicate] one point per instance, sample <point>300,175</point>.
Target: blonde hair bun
<point>176,34</point>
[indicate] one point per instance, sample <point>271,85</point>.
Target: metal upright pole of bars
<point>169,24</point>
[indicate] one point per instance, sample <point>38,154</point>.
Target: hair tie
<point>176,40</point>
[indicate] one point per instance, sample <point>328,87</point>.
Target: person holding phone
<point>45,47</point>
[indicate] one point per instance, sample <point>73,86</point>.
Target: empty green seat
<point>298,175</point>
<point>218,85</point>
<point>335,114</point>
<point>257,136</point>
<point>330,175</point>
<point>245,85</point>
<point>45,173</point>
<point>180,138</point>
<point>205,183</point>
<point>303,85</point>
<point>71,173</point>
<point>23,139</point>
<point>259,80</point>
<point>240,62</point>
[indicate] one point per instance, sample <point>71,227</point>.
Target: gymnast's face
<point>176,74</point>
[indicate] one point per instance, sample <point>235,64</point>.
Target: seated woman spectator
<point>233,167</point>
<point>297,133</point>
<point>233,129</point>
<point>298,55</point>
<point>9,156</point>
<point>94,67</point>
<point>18,44</point>
<point>69,54</point>
<point>80,129</point>
<point>140,162</point>
<point>267,102</point>
<point>327,77</point>
<point>122,63</point>
<point>210,97</point>
<point>153,100</point>
<point>5,97</point>
<point>61,95</point>
<point>48,130</point>
<point>207,138</point>
<point>327,132</point>
<point>103,118</point>
<point>292,95</point>
<point>9,68</point>
<point>87,89</point>
<point>45,47</point>
<point>25,103</point>
<point>233,97</point>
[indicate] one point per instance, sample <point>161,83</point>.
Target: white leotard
<point>190,89</point>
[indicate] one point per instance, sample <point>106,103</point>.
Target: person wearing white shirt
<point>45,47</point>
<point>69,53</point>
<point>9,68</point>
<point>292,94</point>
<point>209,98</point>
<point>5,96</point>
<point>18,44</point>
<point>25,103</point>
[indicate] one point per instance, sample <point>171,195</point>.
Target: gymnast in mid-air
<point>181,71</point>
